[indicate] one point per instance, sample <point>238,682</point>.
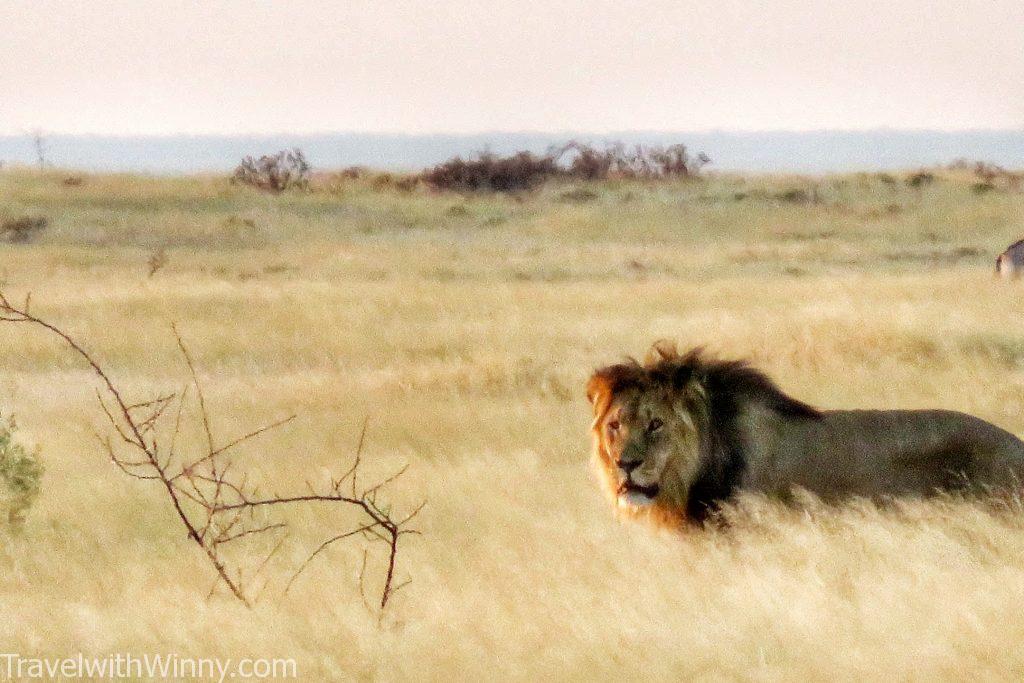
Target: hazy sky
<point>231,66</point>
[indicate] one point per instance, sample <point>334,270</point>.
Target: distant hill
<point>807,152</point>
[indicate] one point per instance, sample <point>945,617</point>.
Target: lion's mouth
<point>631,491</point>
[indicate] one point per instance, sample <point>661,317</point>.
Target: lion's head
<point>668,441</point>
<point>646,433</point>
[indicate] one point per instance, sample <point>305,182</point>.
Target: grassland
<point>464,328</point>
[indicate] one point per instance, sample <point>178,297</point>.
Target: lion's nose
<point>628,466</point>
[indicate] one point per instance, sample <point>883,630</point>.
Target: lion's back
<point>877,453</point>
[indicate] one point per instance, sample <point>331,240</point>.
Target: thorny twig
<point>215,505</point>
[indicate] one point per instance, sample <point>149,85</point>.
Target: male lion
<point>680,434</point>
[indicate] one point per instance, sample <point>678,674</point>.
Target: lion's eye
<point>613,426</point>
<point>655,425</point>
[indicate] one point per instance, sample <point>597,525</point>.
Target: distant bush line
<point>572,161</point>
<point>490,172</point>
<point>522,171</point>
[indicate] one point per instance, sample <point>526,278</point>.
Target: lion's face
<point>645,442</point>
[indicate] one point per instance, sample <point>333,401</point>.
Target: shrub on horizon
<point>571,161</point>
<point>286,170</point>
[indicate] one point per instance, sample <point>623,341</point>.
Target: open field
<point>465,328</point>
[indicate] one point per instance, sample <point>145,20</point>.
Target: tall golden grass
<point>464,328</point>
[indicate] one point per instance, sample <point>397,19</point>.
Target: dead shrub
<point>571,161</point>
<point>586,162</point>
<point>490,172</point>
<point>201,483</point>
<point>286,170</point>
<point>990,176</point>
<point>672,161</point>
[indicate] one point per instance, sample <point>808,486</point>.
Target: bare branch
<point>352,471</point>
<point>324,546</point>
<point>213,501</point>
<point>373,489</point>
<point>248,532</point>
<point>240,440</point>
<point>199,389</point>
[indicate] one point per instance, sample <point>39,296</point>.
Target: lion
<point>680,434</point>
<point>1010,263</point>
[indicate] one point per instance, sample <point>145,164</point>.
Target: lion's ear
<point>610,380</point>
<point>661,350</point>
<point>598,387</point>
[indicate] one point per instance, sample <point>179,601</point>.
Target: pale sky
<point>234,66</point>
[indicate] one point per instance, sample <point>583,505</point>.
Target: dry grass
<point>465,328</point>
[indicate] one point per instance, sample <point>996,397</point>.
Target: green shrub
<point>20,475</point>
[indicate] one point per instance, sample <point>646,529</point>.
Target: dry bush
<point>488,171</point>
<point>989,175</point>
<point>589,163</point>
<point>586,162</point>
<point>674,160</point>
<point>572,161</point>
<point>23,229</point>
<point>286,170</point>
<point>213,500</point>
<point>984,170</point>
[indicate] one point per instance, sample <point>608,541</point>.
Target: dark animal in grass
<point>680,434</point>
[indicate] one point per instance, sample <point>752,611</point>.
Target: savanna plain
<point>461,329</point>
